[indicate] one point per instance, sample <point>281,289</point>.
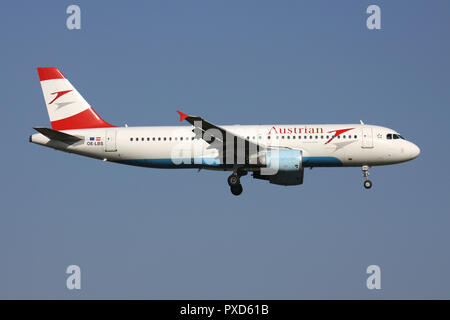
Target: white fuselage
<point>175,147</point>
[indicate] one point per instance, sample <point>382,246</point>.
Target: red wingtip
<point>182,115</point>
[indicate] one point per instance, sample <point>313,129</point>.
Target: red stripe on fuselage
<point>337,133</point>
<point>84,120</point>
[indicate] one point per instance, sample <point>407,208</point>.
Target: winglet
<point>182,115</point>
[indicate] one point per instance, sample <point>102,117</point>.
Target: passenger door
<point>110,143</point>
<point>367,139</point>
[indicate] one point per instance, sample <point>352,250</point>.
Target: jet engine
<point>280,166</point>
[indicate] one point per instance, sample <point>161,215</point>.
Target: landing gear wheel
<point>367,183</point>
<point>236,189</point>
<point>233,180</point>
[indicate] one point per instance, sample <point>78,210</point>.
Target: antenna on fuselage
<point>361,122</point>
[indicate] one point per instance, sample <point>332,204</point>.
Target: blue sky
<point>145,233</point>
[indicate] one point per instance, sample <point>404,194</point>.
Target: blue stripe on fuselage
<point>174,163</point>
<point>215,163</point>
<point>321,162</point>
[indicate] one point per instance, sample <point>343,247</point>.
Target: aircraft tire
<point>236,189</point>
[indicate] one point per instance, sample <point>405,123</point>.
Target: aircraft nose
<point>414,151</point>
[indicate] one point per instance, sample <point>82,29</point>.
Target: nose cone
<point>414,151</point>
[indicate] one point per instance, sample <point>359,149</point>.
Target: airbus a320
<point>276,153</point>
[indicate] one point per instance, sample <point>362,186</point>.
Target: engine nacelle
<point>281,166</point>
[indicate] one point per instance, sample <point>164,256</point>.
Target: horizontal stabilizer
<point>57,135</point>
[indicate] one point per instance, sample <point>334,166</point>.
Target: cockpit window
<point>394,136</point>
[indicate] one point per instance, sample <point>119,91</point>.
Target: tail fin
<point>66,107</point>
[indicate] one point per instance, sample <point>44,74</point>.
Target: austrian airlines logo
<point>59,94</point>
<point>337,133</point>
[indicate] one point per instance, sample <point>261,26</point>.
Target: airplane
<point>276,153</point>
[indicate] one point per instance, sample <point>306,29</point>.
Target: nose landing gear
<point>367,183</point>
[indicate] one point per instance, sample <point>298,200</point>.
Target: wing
<point>233,148</point>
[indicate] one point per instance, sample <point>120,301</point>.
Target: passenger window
<point>131,139</point>
<point>356,136</point>
<point>288,137</point>
<point>153,138</point>
<point>148,139</point>
<point>268,137</point>
<point>299,137</point>
<point>181,138</point>
<point>159,138</point>
<point>293,137</point>
<point>277,137</point>
<point>310,137</point>
<point>389,136</point>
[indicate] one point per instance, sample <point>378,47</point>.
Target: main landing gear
<point>367,183</point>
<point>234,181</point>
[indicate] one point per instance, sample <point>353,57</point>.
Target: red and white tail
<point>66,107</point>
